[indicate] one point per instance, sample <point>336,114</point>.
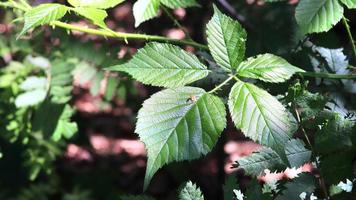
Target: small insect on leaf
<point>192,99</point>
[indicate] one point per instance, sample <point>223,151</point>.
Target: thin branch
<point>352,41</point>
<point>176,22</point>
<point>135,36</point>
<point>327,75</point>
<point>127,36</point>
<point>320,178</point>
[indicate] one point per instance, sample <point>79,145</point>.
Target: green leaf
<point>229,185</point>
<point>337,166</point>
<point>97,16</point>
<point>179,124</point>
<point>349,3</point>
<point>190,192</point>
<point>144,10</point>
<point>179,3</point>
<point>43,14</point>
<point>303,183</point>
<point>226,40</point>
<point>336,130</point>
<point>257,162</point>
<point>30,98</point>
<point>267,67</point>
<point>164,65</point>
<point>266,158</point>
<point>96,83</point>
<point>296,153</point>
<point>65,127</point>
<point>111,87</point>
<point>101,4</point>
<point>315,16</point>
<point>254,192</point>
<point>260,116</point>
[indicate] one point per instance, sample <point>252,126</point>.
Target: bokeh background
<point>105,159</point>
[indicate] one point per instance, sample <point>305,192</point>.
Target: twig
<point>352,41</point>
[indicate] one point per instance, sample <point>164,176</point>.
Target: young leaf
<point>257,162</point>
<point>65,128</point>
<point>144,10</point>
<point>296,153</point>
<point>226,40</point>
<point>179,3</point>
<point>349,3</point>
<point>164,65</point>
<point>190,192</point>
<point>179,124</point>
<point>101,4</point>
<point>259,115</point>
<point>268,68</point>
<point>30,98</point>
<point>43,14</point>
<point>97,16</point>
<point>315,16</point>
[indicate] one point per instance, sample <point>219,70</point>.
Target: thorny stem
<point>328,75</point>
<point>135,36</point>
<point>352,41</point>
<point>112,34</point>
<point>127,36</point>
<point>303,130</point>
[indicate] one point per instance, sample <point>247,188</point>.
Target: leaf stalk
<point>218,87</point>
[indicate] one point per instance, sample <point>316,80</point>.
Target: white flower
<point>303,195</point>
<point>312,197</point>
<point>238,195</point>
<point>347,187</point>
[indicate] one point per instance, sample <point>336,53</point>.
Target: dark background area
<point>105,159</point>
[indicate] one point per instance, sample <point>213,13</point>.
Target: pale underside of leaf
<point>144,10</point>
<point>101,4</point>
<point>226,40</point>
<point>349,3</point>
<point>179,124</point>
<point>30,98</point>
<point>259,115</point>
<point>179,3</point>
<point>97,16</point>
<point>164,65</point>
<point>267,67</point>
<point>315,16</point>
<point>42,14</point>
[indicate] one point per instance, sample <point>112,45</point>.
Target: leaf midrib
<point>173,130</point>
<point>271,132</point>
